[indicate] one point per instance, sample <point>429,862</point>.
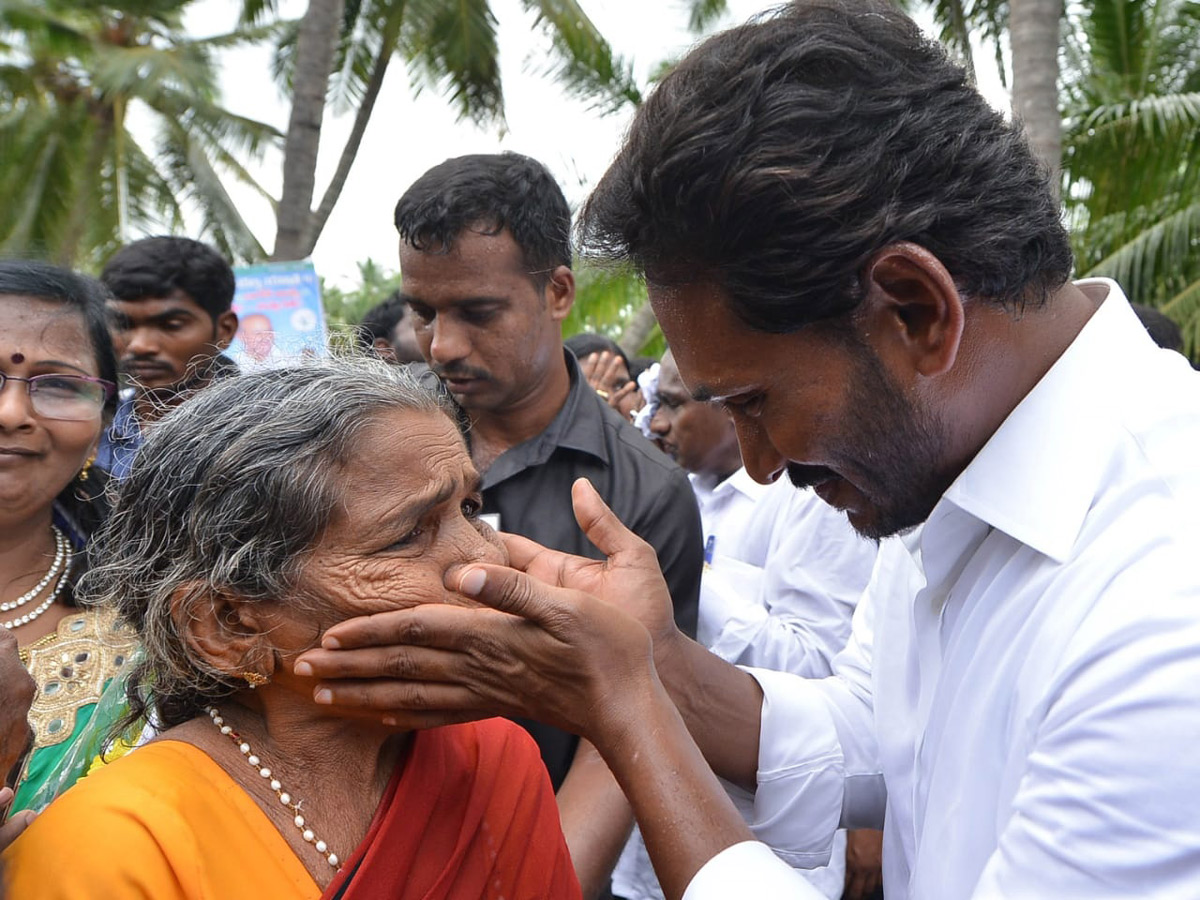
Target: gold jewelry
<point>87,467</point>
<point>602,392</point>
<point>254,679</point>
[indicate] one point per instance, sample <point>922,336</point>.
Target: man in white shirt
<point>864,263</point>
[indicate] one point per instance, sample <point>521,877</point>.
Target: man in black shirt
<point>485,258</point>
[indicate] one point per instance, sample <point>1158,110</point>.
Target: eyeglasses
<point>73,398</point>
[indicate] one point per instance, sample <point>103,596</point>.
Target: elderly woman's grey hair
<point>225,498</point>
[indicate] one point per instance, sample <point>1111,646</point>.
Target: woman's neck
<point>337,769</point>
<point>26,552</point>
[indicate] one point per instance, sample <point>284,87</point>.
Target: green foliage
<point>344,309</point>
<point>77,179</point>
<point>1131,103</point>
<point>606,300</point>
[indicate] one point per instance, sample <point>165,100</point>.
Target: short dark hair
<point>505,190</point>
<point>158,266</point>
<point>586,343</point>
<point>1163,330</point>
<point>82,503</point>
<point>380,321</point>
<point>779,156</point>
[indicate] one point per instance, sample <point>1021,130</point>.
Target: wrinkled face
<point>483,325</point>
<point>39,456</point>
<point>821,408</point>
<point>163,343</point>
<point>410,511</point>
<point>698,436</point>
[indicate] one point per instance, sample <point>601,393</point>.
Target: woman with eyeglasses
<point>57,393</point>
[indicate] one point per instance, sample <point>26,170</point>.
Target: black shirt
<point>529,487</point>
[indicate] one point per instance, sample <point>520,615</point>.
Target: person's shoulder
<point>492,739</point>
<point>103,831</point>
<point>627,443</point>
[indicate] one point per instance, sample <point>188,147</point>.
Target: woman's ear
<point>912,315</point>
<point>226,633</point>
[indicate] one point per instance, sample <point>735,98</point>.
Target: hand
<point>12,828</point>
<point>864,864</point>
<point>16,696</point>
<point>608,376</point>
<point>628,577</point>
<point>543,652</point>
<point>547,649</point>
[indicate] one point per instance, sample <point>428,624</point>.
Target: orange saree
<point>470,814</point>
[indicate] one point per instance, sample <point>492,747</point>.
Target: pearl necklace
<point>284,797</point>
<point>60,550</point>
<point>62,563</point>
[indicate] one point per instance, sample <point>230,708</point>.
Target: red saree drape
<point>470,815</point>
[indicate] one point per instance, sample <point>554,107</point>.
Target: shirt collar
<point>1036,477</point>
<point>124,424</point>
<point>740,481</point>
<point>578,425</point>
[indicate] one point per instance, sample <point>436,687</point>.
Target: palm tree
<point>1132,151</point>
<point>450,47</point>
<point>76,177</point>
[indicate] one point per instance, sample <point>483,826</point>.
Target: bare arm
<point>596,819</point>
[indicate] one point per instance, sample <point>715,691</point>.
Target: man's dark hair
<point>492,191</point>
<point>1163,330</point>
<point>380,321</point>
<point>779,156</point>
<point>586,343</point>
<point>159,266</point>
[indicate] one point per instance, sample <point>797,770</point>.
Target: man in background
<point>387,331</point>
<point>171,316</point>
<point>486,265</point>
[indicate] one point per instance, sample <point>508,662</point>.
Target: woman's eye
<point>471,508</point>
<point>407,539</point>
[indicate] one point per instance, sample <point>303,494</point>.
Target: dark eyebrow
<point>174,312</point>
<point>465,303</point>
<point>58,363</point>
<point>703,394</point>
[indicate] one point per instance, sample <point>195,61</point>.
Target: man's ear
<point>912,315</point>
<point>226,633</point>
<point>560,292</point>
<point>226,327</point>
<point>384,349</point>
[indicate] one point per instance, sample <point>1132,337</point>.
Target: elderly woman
<point>264,510</point>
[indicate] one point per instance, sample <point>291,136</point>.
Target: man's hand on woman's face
<point>559,638</point>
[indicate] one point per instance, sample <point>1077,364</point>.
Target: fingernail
<point>390,720</point>
<point>472,583</point>
<point>303,669</point>
<point>331,643</point>
<point>324,696</point>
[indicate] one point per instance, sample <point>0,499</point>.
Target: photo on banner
<point>280,317</point>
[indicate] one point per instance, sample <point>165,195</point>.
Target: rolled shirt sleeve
<point>748,869</point>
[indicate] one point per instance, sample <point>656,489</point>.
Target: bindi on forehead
<point>18,358</point>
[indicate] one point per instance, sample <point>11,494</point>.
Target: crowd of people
<point>880,582</point>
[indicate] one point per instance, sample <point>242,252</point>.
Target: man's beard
<point>894,452</point>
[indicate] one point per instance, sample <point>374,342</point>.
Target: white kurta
<point>1027,698</point>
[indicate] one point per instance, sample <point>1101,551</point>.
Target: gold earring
<point>87,467</point>
<point>254,679</point>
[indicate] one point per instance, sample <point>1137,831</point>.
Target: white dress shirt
<point>1027,698</point>
<point>779,591</point>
